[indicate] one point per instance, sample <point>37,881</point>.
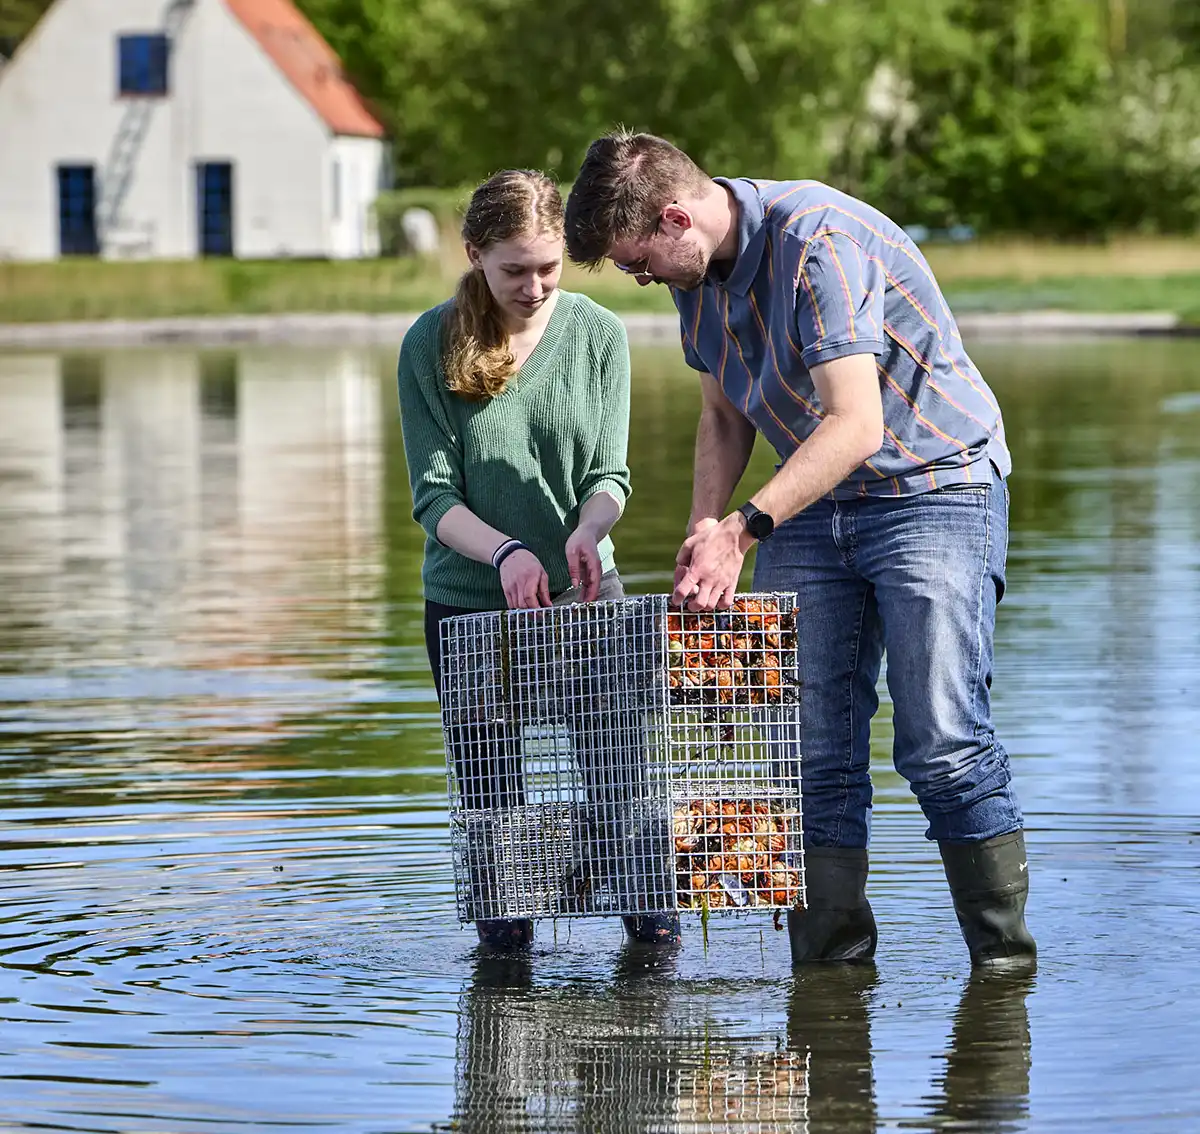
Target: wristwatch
<point>758,523</point>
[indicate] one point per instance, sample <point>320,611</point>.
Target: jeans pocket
<point>965,489</point>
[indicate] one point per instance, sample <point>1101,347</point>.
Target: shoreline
<point>348,328</point>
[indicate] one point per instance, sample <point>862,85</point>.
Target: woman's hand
<point>524,580</point>
<point>583,562</point>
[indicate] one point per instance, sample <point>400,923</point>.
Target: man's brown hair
<point>624,183</point>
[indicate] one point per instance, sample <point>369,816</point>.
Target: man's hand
<point>524,580</point>
<point>583,562</point>
<point>709,564</point>
<point>682,563</point>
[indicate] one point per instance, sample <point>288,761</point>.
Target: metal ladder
<point>131,132</point>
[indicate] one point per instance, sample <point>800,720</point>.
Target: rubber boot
<point>653,929</point>
<point>837,923</point>
<point>989,881</point>
<point>505,933</point>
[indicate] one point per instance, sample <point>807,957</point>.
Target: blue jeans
<point>919,577</point>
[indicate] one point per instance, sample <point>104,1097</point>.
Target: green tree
<point>1055,116</point>
<point>1007,122</point>
<point>17,18</point>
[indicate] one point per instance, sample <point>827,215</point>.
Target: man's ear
<point>677,217</point>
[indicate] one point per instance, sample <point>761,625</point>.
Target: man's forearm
<point>724,443</point>
<point>831,453</point>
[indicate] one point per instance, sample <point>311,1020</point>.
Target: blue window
<point>143,64</point>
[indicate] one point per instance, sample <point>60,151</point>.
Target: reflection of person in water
<point>642,1053</point>
<point>986,1083</point>
<point>594,1058</point>
<point>828,1019</point>
<point>638,1054</point>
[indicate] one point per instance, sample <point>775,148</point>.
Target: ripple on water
<point>225,873</point>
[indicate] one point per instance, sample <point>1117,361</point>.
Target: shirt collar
<point>751,234</point>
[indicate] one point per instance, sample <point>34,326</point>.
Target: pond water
<point>226,899</point>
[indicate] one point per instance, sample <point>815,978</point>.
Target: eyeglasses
<point>638,273</point>
<point>642,272</point>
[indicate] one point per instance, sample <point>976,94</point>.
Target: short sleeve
<point>839,300</point>
<point>689,351</point>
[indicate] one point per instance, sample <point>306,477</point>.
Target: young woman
<point>514,398</point>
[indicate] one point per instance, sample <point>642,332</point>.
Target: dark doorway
<point>77,211</point>
<point>214,207</point>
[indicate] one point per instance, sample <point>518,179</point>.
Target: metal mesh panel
<point>622,757</point>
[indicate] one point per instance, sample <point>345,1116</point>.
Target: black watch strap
<point>758,523</point>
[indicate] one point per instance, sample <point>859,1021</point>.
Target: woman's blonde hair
<point>514,202</point>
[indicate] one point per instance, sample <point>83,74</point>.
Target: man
<point>814,320</point>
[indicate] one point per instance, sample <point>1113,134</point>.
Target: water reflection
<point>1099,623</point>
<point>644,1052</point>
<point>638,1054</point>
<point>225,896</point>
<point>985,1086</point>
<point>829,1016</point>
<point>177,526</point>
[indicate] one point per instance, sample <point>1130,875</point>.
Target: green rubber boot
<point>837,923</point>
<point>989,881</point>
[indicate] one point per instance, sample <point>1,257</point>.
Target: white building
<point>180,128</point>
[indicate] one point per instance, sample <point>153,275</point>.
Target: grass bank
<point>1119,277</point>
<point>86,290</point>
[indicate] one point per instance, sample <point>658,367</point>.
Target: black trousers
<point>610,588</point>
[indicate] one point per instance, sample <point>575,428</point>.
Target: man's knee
<point>962,781</point>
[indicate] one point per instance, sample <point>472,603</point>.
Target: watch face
<point>760,525</point>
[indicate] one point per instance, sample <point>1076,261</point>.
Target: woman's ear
<point>473,256</point>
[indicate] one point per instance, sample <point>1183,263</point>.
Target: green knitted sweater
<point>524,462</point>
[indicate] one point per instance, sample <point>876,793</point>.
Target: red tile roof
<point>308,63</point>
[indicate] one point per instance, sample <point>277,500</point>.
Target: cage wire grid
<point>623,757</point>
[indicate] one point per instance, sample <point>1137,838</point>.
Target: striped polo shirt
<point>820,275</point>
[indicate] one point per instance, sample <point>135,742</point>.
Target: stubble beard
<point>692,271</point>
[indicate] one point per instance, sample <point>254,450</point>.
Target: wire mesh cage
<point>623,757</point>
